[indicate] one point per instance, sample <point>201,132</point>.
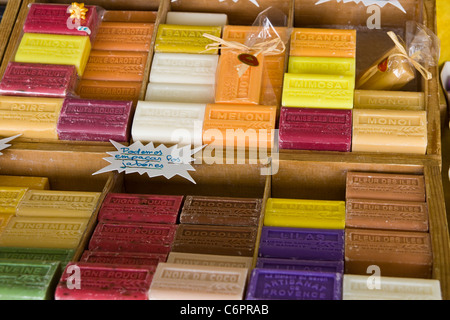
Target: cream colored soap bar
<point>389,131</point>
<point>210,260</point>
<point>390,100</point>
<point>196,18</point>
<point>10,198</point>
<point>191,282</point>
<point>31,117</point>
<point>52,203</point>
<point>37,183</point>
<point>358,287</point>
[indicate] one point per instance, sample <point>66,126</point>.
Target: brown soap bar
<point>221,211</point>
<point>109,90</point>
<point>392,215</point>
<point>126,36</point>
<point>219,240</point>
<point>397,253</point>
<point>380,186</point>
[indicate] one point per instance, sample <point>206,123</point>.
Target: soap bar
<point>192,282</point>
<point>4,219</point>
<point>27,280</point>
<point>315,129</point>
<point>318,91</point>
<point>295,213</point>
<point>389,131</point>
<point>210,260</point>
<point>232,88</point>
<point>32,117</point>
<point>268,284</point>
<point>382,214</point>
<point>54,19</point>
<point>52,203</point>
<point>301,265</point>
<point>180,92</point>
<point>239,125</point>
<point>43,232</point>
<point>186,39</point>
<point>221,211</point>
<point>37,183</point>
<point>10,198</point>
<point>385,186</point>
<point>272,82</point>
<point>148,260</point>
<point>184,68</point>
<point>302,244</point>
<point>220,240</point>
<point>315,42</point>
<point>129,16</point>
<point>54,49</point>
<point>140,208</point>
<point>95,120</point>
<point>255,34</point>
<point>196,18</point>
<point>133,237</point>
<point>124,36</point>
<point>403,254</point>
<point>104,282</point>
<point>391,288</point>
<point>110,90</point>
<point>323,65</point>
<point>390,100</point>
<point>38,80</point>
<point>168,122</point>
<point>37,254</point>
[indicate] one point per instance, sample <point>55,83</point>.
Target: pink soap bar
<point>95,120</point>
<point>140,208</point>
<point>133,237</point>
<point>54,19</point>
<point>39,80</point>
<point>315,129</point>
<point>103,282</point>
<point>147,260</point>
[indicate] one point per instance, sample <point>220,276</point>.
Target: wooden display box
<point>7,23</point>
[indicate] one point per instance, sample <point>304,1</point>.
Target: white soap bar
<point>184,68</point>
<point>196,18</point>
<point>180,92</point>
<point>358,287</point>
<point>168,122</point>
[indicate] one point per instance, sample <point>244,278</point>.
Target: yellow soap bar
<point>323,65</point>
<point>37,183</point>
<point>32,117</point>
<point>318,91</point>
<point>295,213</point>
<point>185,39</point>
<point>54,49</point>
<point>41,232</point>
<point>4,219</point>
<point>390,100</point>
<point>52,203</point>
<point>10,198</point>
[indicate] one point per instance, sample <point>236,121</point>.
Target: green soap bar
<point>28,280</point>
<point>63,256</point>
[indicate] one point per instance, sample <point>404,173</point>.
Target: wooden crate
<point>7,23</point>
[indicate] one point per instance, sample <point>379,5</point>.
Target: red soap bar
<point>133,237</point>
<point>147,260</point>
<point>54,19</point>
<point>140,208</point>
<point>95,120</point>
<point>103,282</point>
<point>39,80</point>
<point>315,129</point>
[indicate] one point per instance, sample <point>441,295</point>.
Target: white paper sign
<point>367,3</point>
<point>4,142</point>
<point>146,159</point>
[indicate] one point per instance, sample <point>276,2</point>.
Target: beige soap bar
<point>36,183</point>
<point>390,100</point>
<point>10,198</point>
<point>358,287</point>
<point>192,282</point>
<point>210,260</point>
<point>389,131</point>
<point>52,203</point>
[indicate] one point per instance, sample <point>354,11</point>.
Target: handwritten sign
<point>4,142</point>
<point>367,3</point>
<point>146,159</point>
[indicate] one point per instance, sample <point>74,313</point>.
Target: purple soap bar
<point>54,19</point>
<point>270,284</point>
<point>302,244</point>
<point>301,265</point>
<point>140,208</point>
<point>95,120</point>
<point>39,80</point>
<point>315,129</point>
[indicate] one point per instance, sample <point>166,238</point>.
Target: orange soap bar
<point>239,125</point>
<point>116,66</point>
<point>109,90</point>
<point>242,34</point>
<point>125,36</point>
<point>129,16</point>
<point>310,42</point>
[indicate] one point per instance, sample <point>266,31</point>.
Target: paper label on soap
<point>367,3</point>
<point>151,160</point>
<point>4,142</point>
